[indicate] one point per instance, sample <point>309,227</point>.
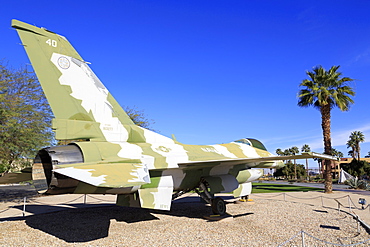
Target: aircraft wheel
<point>218,206</point>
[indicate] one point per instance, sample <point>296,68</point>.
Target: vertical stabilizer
<point>82,106</point>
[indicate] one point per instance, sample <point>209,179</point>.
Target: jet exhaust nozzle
<point>45,179</point>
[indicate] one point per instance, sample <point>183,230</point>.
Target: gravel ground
<point>265,223</point>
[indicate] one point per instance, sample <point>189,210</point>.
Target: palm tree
<point>306,148</point>
<point>319,162</point>
<point>279,152</point>
<point>352,153</point>
<point>338,154</point>
<point>294,150</point>
<point>324,91</point>
<point>287,152</point>
<point>354,142</point>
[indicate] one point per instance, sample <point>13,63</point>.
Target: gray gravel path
<point>264,223</point>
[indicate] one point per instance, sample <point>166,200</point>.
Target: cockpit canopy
<point>252,142</point>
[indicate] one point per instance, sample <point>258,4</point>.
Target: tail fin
<point>82,106</point>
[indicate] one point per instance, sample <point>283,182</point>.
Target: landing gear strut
<point>243,198</point>
<point>218,204</point>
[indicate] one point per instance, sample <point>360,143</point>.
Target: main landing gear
<point>218,205</point>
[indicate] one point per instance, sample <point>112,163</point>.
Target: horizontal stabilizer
<point>113,175</point>
<point>69,129</point>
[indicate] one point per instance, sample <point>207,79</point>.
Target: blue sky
<point>215,71</point>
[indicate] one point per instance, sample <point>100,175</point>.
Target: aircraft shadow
<point>84,224</point>
<point>88,224</point>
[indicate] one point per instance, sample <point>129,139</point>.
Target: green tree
<point>290,171</point>
<point>306,148</point>
<point>25,118</point>
<point>139,118</point>
<point>354,142</point>
<point>357,168</point>
<point>325,90</point>
<point>286,152</point>
<point>289,151</point>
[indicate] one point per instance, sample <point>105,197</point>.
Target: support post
<point>349,203</point>
<point>84,198</point>
<point>24,206</point>
<point>302,234</point>
<point>358,224</point>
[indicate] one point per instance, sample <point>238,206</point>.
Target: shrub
<point>356,183</point>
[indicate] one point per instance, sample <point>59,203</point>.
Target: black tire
<point>218,206</point>
<point>244,198</point>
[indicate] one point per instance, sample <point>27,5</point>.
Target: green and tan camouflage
<point>145,169</point>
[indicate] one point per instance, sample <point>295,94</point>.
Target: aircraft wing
<point>257,162</point>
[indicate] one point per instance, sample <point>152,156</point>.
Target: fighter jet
<point>143,168</point>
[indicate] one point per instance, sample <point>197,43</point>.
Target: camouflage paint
<point>142,167</point>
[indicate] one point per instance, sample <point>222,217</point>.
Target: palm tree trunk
<point>307,173</point>
<point>295,170</point>
<point>358,152</point>
<point>325,124</point>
